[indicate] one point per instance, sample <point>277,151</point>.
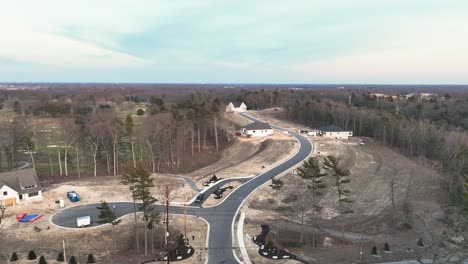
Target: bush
<point>72,260</point>
<point>374,250</point>
<point>91,259</point>
<point>420,243</point>
<point>60,257</point>
<point>140,112</point>
<point>32,255</point>
<point>386,247</point>
<point>14,257</point>
<point>42,260</point>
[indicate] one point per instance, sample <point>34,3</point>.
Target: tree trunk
<point>32,158</point>
<point>192,135</point>
<point>141,150</point>
<point>95,163</point>
<point>136,225</point>
<point>59,161</point>
<point>108,163</point>
<point>199,143</point>
<point>133,153</point>
<point>153,166</point>
<point>114,150</point>
<point>146,239</point>
<point>65,161</point>
<point>216,133</point>
<point>78,161</point>
<point>50,164</point>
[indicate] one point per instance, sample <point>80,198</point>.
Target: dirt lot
<point>372,168</point>
<point>108,244</point>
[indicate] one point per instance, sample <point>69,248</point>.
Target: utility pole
<point>64,254</point>
<point>167,224</point>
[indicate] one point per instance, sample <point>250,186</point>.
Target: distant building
<point>231,108</point>
<point>257,129</point>
<point>333,131</point>
<point>18,186</point>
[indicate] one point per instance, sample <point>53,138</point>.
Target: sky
<point>235,41</point>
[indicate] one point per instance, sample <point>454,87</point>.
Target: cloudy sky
<point>224,41</point>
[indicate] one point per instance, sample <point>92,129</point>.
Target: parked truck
<point>83,221</point>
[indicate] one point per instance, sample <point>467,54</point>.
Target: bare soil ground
<point>108,244</point>
<point>372,167</point>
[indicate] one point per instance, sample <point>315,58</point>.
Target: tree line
<point>163,136</point>
<point>445,147</point>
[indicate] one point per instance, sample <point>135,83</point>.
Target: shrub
<point>420,243</point>
<point>32,255</point>
<point>374,250</point>
<point>60,257</point>
<point>42,260</point>
<point>91,259</point>
<point>72,260</point>
<point>14,257</point>
<point>386,247</point>
<point>140,112</point>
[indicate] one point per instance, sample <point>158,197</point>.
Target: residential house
<point>335,132</point>
<point>17,186</point>
<point>257,129</point>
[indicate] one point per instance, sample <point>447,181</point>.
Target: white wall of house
<point>258,132</point>
<point>338,135</point>
<point>10,193</point>
<point>27,196</point>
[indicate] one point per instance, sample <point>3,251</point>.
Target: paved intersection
<point>219,217</point>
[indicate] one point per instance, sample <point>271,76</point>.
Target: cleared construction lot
<point>374,168</point>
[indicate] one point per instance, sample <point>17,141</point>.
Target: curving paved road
<point>219,217</point>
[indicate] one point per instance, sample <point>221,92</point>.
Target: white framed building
<point>333,131</point>
<point>257,129</point>
<point>19,186</point>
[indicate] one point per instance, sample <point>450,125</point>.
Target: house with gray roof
<point>18,186</point>
<point>332,131</point>
<point>257,129</point>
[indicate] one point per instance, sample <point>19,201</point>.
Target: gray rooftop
<point>19,179</point>
<point>331,128</point>
<point>257,126</point>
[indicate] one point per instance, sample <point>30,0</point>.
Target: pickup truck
<point>83,221</point>
<point>73,196</point>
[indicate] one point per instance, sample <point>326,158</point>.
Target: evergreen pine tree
<point>374,250</point>
<point>14,257</point>
<point>60,257</point>
<point>32,255</point>
<point>106,215</point>
<point>42,260</point>
<point>91,259</point>
<point>420,243</point>
<point>386,247</point>
<point>72,260</point>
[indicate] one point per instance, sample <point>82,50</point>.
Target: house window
<point>33,194</point>
<point>5,193</point>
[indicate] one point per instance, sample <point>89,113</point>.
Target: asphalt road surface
<point>219,217</point>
